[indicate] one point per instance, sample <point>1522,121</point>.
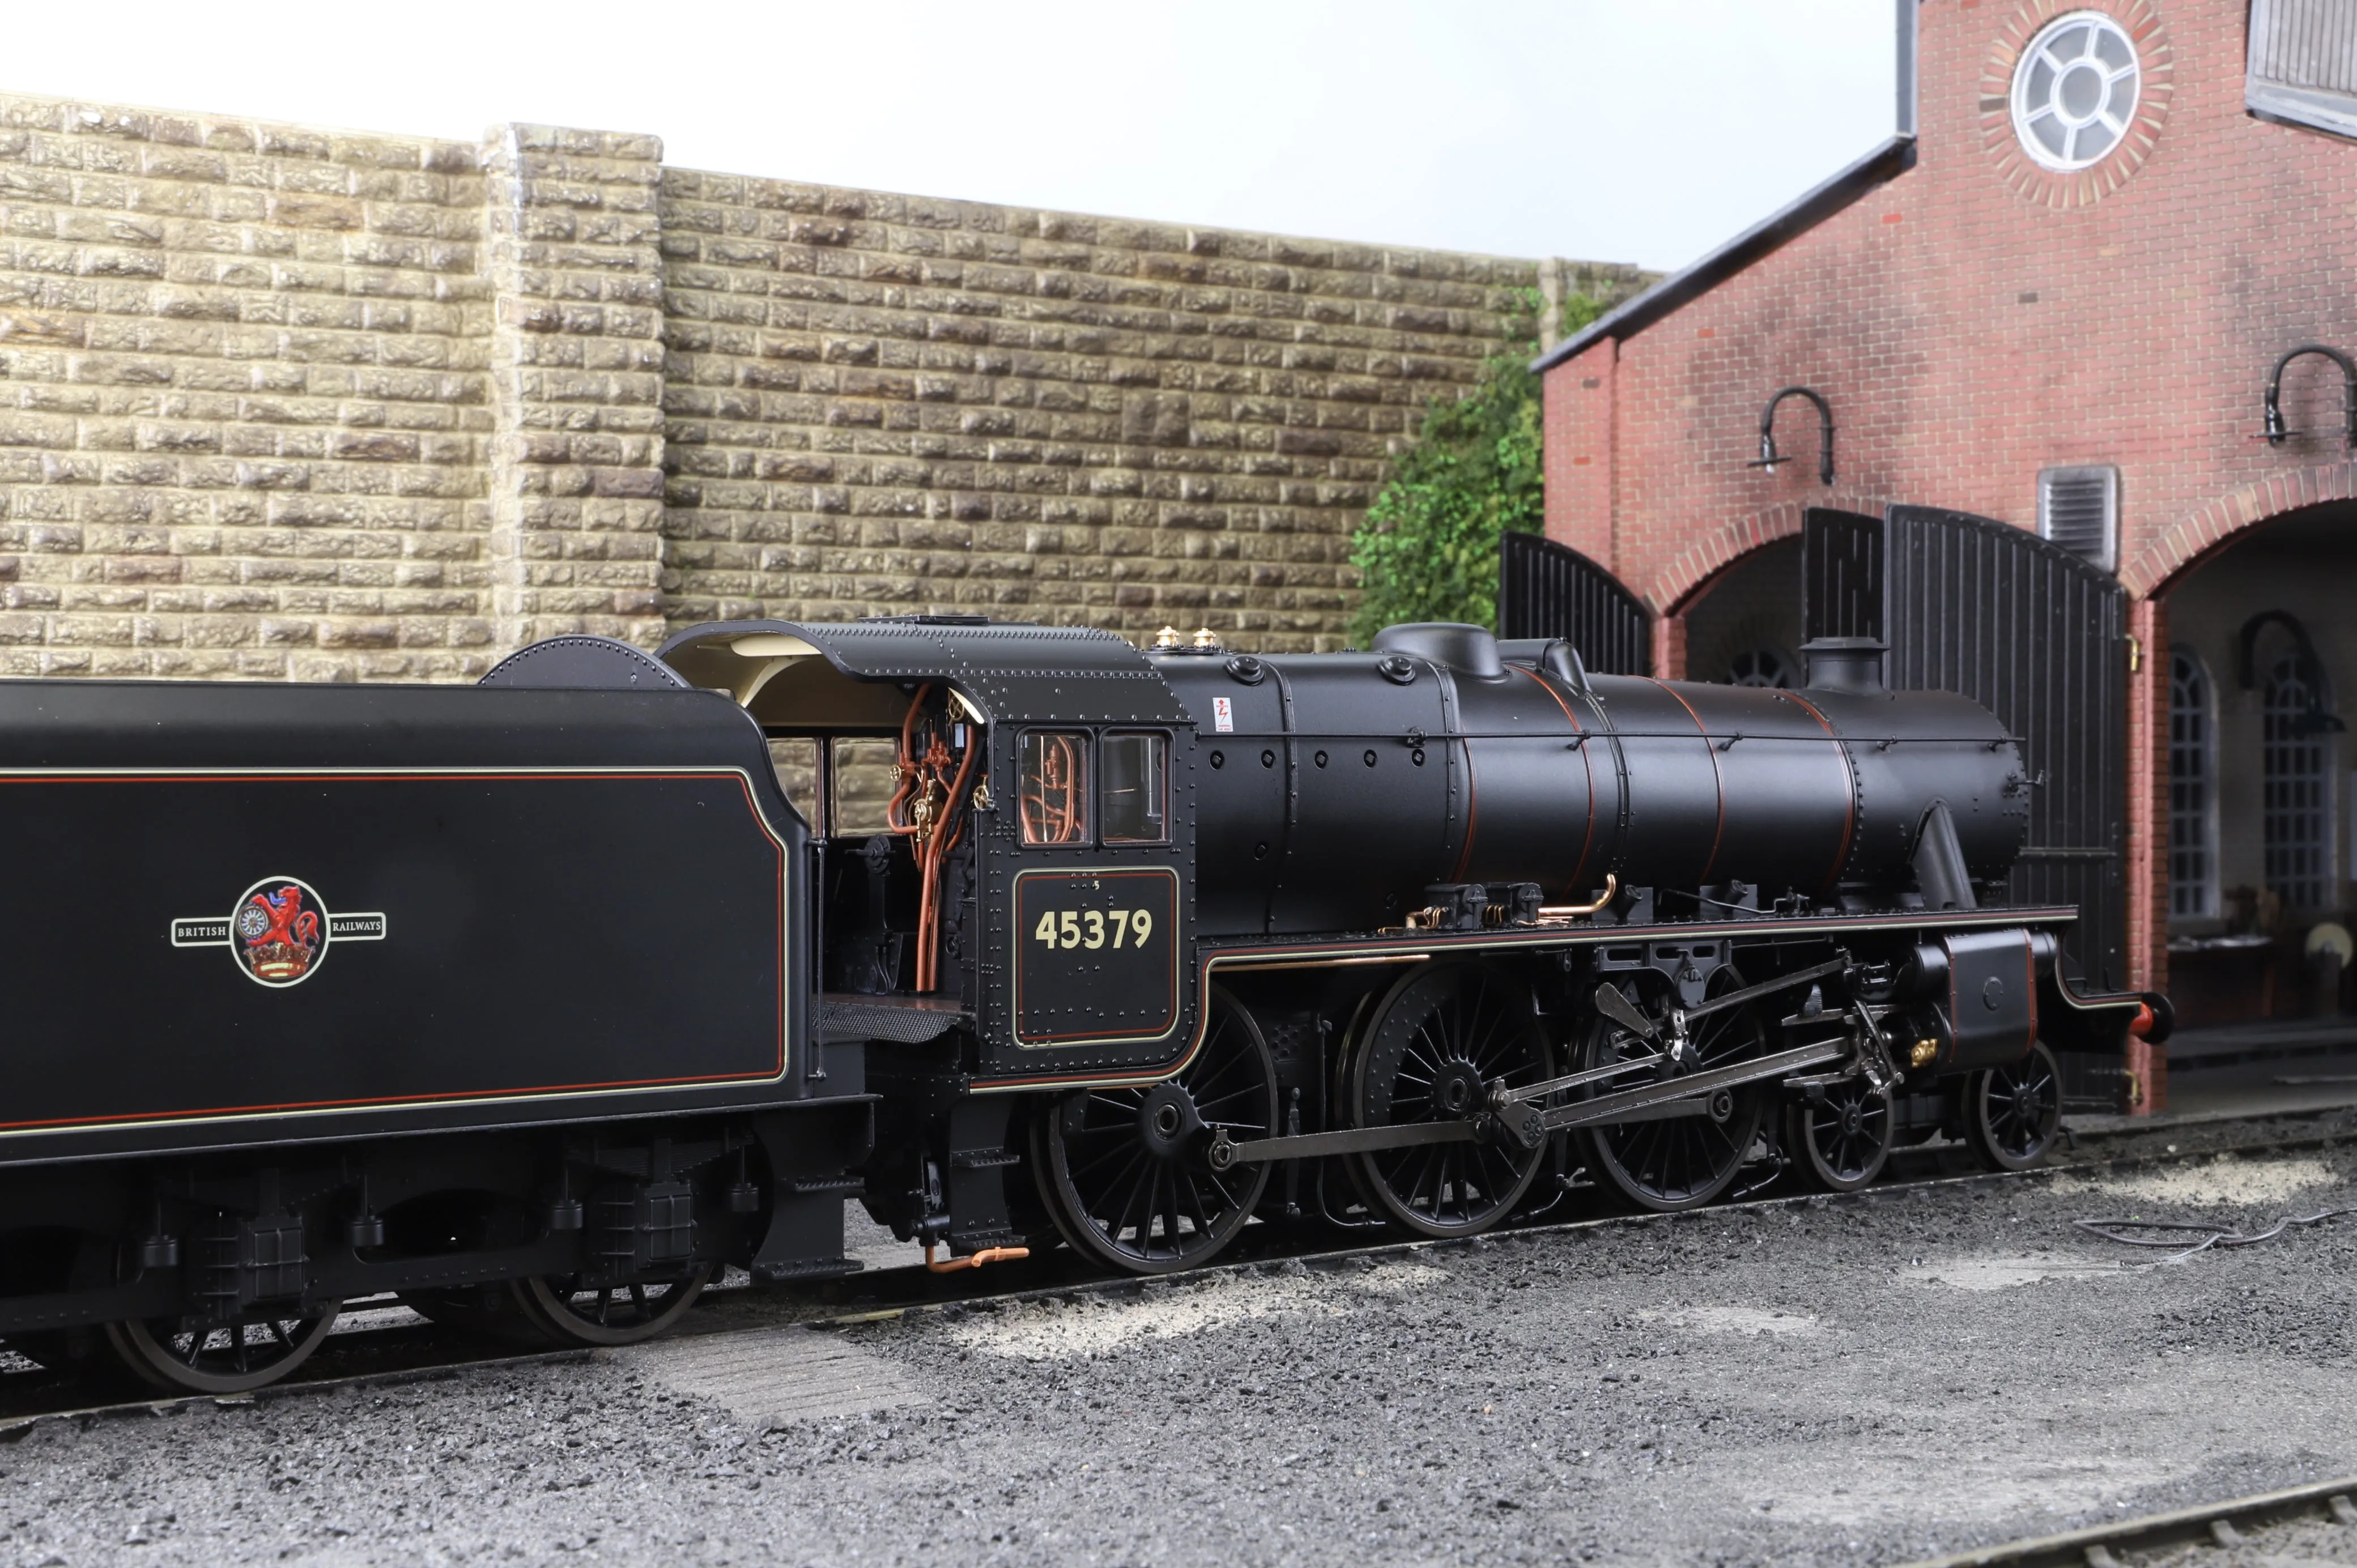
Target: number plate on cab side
<point>1096,956</point>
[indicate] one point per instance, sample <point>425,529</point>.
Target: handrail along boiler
<point>539,1003</point>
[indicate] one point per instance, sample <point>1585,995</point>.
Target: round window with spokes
<point>2074,90</point>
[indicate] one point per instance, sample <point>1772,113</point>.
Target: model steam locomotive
<point>538,1003</point>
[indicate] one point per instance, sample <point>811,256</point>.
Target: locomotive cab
<point>1003,838</point>
<point>985,800</point>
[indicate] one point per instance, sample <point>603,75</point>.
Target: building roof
<point>1886,162</point>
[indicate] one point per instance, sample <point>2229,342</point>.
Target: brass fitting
<point>1924,1053</point>
<point>1206,639</point>
<point>1581,911</point>
<point>1167,638</point>
<point>922,812</point>
<point>975,1260</point>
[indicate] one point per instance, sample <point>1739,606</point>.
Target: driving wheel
<point>1126,1171</point>
<point>1684,1159</point>
<point>1447,1033</point>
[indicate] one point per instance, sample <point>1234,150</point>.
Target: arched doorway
<point>1743,625</point>
<point>2253,757</point>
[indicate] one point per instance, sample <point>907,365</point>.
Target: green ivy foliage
<point>1429,548</point>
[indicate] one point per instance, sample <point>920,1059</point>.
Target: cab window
<point>1135,788</point>
<point>1053,796</point>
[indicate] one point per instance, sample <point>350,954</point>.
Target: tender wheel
<point>192,1355</point>
<point>573,1314</point>
<point>1842,1141</point>
<point>1679,1161</point>
<point>2011,1112</point>
<point>1447,1032</point>
<point>1125,1173</point>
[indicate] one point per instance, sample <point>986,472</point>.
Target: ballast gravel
<point>1910,1372</point>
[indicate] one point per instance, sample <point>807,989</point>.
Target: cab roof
<point>855,675</point>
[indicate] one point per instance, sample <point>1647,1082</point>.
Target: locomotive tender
<point>538,1003</point>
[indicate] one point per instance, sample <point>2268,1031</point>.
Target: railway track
<point>2276,1528</point>
<point>383,1345</point>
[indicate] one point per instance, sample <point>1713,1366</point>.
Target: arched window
<point>2298,798</point>
<point>2192,790</point>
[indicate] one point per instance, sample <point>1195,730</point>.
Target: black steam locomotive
<point>537,1003</point>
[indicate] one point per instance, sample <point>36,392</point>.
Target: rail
<point>2219,1524</point>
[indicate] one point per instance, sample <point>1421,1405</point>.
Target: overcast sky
<point>1639,131</point>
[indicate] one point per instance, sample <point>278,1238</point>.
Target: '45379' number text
<point>1093,928</point>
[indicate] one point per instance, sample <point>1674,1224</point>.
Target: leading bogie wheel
<point>1126,1172</point>
<point>1445,1033</point>
<point>570,1311</point>
<point>1840,1140</point>
<point>2012,1112</point>
<point>200,1356</point>
<point>1683,1161</point>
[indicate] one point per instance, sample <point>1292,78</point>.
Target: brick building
<point>2055,299</point>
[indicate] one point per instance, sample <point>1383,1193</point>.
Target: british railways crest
<point>278,931</point>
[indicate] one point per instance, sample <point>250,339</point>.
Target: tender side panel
<point>540,933</point>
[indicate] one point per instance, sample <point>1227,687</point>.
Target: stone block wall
<point>576,478</point>
<point>278,402</point>
<point>243,400</point>
<point>880,402</point>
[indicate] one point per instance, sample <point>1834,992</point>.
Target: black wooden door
<point>2039,636</point>
<point>1546,589</point>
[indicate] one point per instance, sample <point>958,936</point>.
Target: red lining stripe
<point>165,1118</point>
<point>1811,925</point>
<point>169,1118</point>
<point>1472,814</point>
<point>2029,968</point>
<point>371,776</point>
<point>1849,781</point>
<point>1021,936</point>
<point>1717,779</point>
<point>1587,843</point>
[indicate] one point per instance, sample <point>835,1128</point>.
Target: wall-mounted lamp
<point>2275,433</point>
<point>2316,720</point>
<point>1768,458</point>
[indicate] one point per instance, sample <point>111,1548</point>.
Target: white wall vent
<point>2301,65</point>
<point>2079,508</point>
